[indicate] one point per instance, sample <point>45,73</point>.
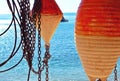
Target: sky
<point>68,5</point>
<point>65,6</point>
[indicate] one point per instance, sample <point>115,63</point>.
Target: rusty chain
<point>46,59</point>
<point>42,64</point>
<point>39,47</point>
<point>27,33</point>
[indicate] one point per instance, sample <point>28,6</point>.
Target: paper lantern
<point>51,16</point>
<point>97,36</point>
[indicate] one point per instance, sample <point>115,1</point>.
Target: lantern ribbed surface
<point>49,24</point>
<point>51,16</point>
<point>97,36</point>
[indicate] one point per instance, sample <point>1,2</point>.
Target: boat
<point>64,20</point>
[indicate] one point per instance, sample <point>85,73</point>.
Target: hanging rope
<point>13,21</point>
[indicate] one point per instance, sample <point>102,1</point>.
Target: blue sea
<point>64,64</point>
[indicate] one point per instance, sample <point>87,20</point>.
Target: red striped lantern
<point>51,16</point>
<point>97,36</point>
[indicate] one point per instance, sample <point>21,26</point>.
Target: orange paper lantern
<point>97,36</point>
<point>51,16</point>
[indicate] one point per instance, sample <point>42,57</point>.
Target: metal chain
<point>39,47</point>
<point>47,55</point>
<point>46,59</point>
<point>28,40</point>
<point>27,32</point>
<point>23,24</point>
<point>115,73</point>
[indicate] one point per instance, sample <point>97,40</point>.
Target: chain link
<point>41,64</point>
<point>39,47</point>
<point>46,59</point>
<point>27,32</point>
<point>115,73</point>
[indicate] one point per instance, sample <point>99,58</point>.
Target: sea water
<point>64,64</point>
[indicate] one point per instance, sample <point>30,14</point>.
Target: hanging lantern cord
<point>115,73</point>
